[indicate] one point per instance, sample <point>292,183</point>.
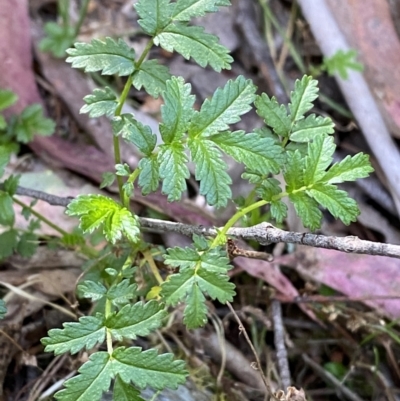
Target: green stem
<point>238,215</point>
<point>131,179</point>
<point>144,54</point>
<point>82,15</point>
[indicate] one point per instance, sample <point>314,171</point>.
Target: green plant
<point>341,62</point>
<point>20,128</point>
<point>61,36</point>
<point>299,145</point>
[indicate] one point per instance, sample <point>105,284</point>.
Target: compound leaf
<point>307,209</point>
<point>149,175</point>
<point>147,368</point>
<point>195,313</point>
<point>254,151</point>
<point>102,102</point>
<point>336,201</point>
<point>95,378</point>
<point>136,320</point>
<point>192,41</point>
<point>225,107</point>
<point>173,170</point>
<point>86,333</point>
<point>186,9</point>
<point>108,56</point>
<point>318,159</point>
<point>140,135</point>
<point>154,15</point>
<point>349,169</point>
<point>152,76</point>
<point>307,129</point>
<point>125,392</point>
<point>274,115</point>
<point>32,121</point>
<point>177,110</point>
<point>97,210</point>
<point>211,172</point>
<point>303,96</point>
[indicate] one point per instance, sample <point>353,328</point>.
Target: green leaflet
<point>186,9</point>
<point>75,336</point>
<point>7,216</point>
<point>278,211</point>
<point>307,209</point>
<point>341,62</point>
<point>173,170</point>
<point>136,320</point>
<point>318,159</point>
<point>274,115</point>
<point>8,243</point>
<point>308,128</point>
<point>303,96</point>
<point>135,132</point>
<point>294,171</point>
<point>177,110</point>
<point>224,108</point>
<point>154,15</point>
<point>336,201</point>
<point>254,151</point>
<point>211,172</point>
<point>108,56</point>
<point>149,176</point>
<point>90,289</point>
<point>195,314</point>
<point>7,98</point>
<point>97,210</point>
<point>192,41</point>
<point>125,392</point>
<point>152,76</point>
<point>349,169</point>
<point>102,102</point>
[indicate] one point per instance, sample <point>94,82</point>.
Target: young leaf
<point>225,107</point>
<point>102,102</point>
<point>148,369</point>
<point>3,309</point>
<point>349,169</point>
<point>7,98</point>
<point>318,159</point>
<point>303,96</point>
<point>294,171</point>
<point>7,215</point>
<point>97,210</point>
<point>86,333</point>
<point>255,152</point>
<point>136,320</point>
<point>336,201</point>
<point>125,392</point>
<point>149,175</point>
<point>8,243</point>
<point>177,110</point>
<point>192,41</point>
<point>211,172</point>
<point>140,135</point>
<point>173,170</point>
<point>195,314</point>
<point>341,62</point>
<point>274,115</point>
<point>109,57</point>
<point>90,289</point>
<point>95,378</point>
<point>186,9</point>
<point>152,76</point>
<point>307,209</point>
<point>307,129</point>
<point>154,15</point>
<point>32,121</point>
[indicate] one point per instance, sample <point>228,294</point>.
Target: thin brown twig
<point>263,233</point>
<point>246,336</point>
